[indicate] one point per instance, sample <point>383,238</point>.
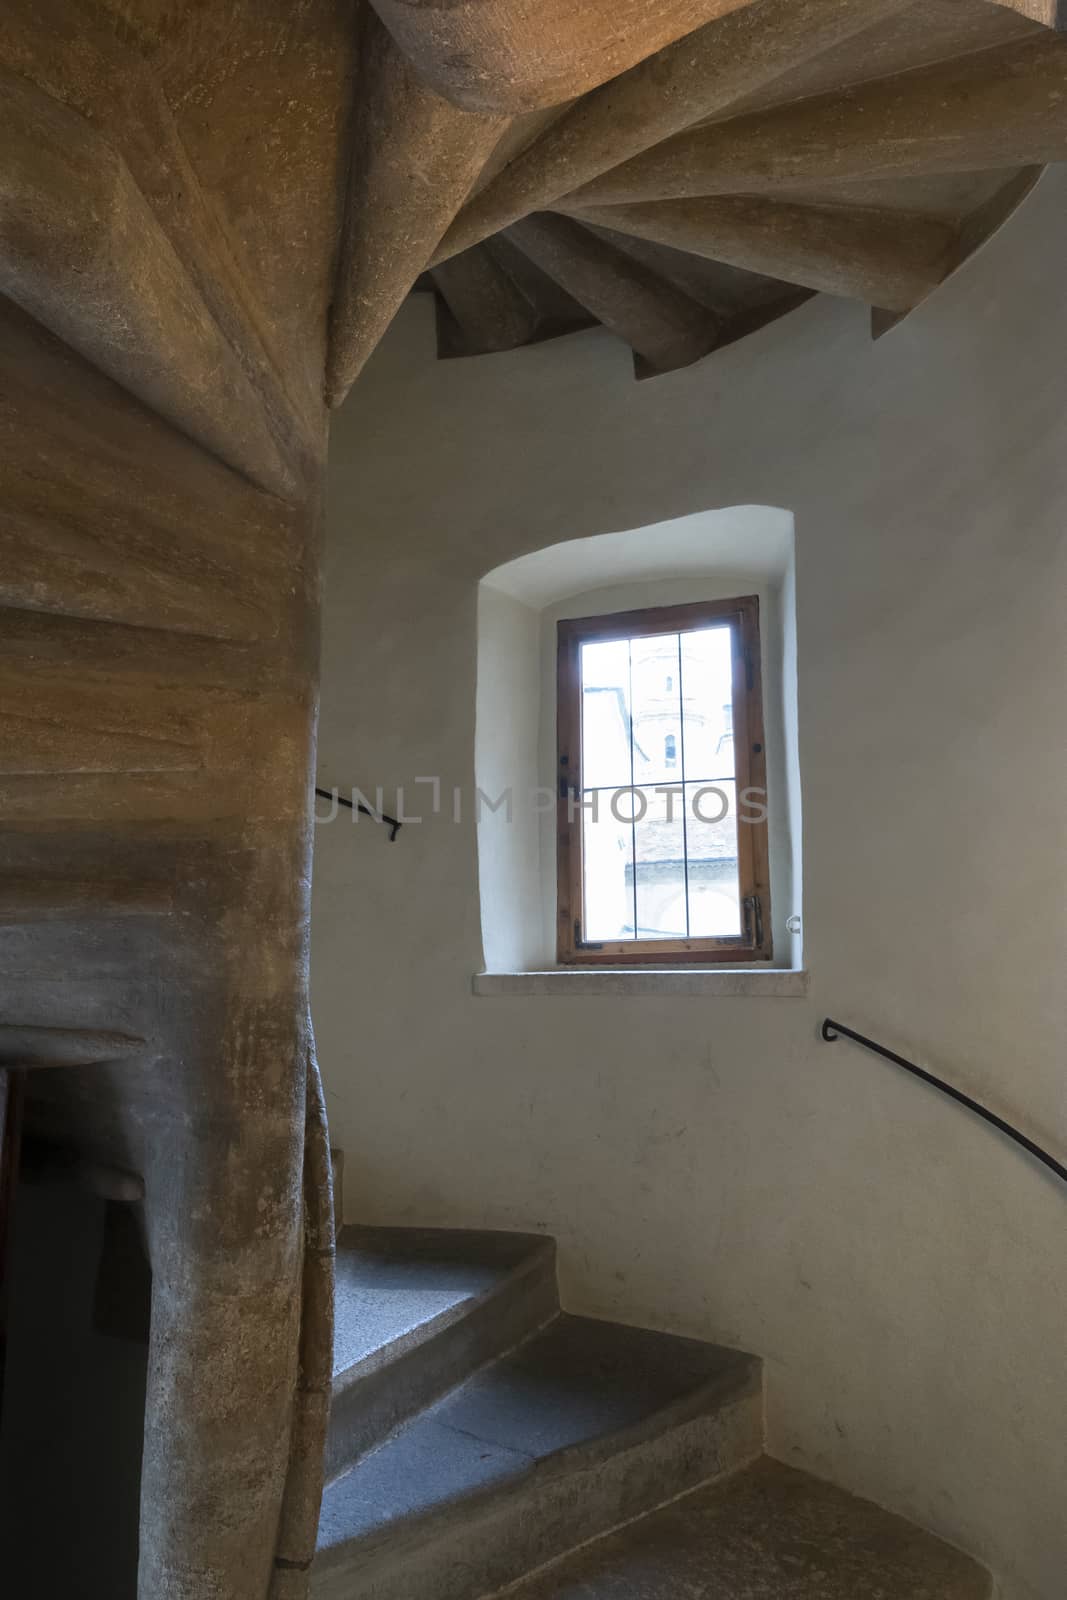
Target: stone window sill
<point>766,983</point>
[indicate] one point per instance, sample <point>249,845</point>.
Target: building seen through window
<point>658,820</point>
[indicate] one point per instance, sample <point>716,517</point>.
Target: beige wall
<point>708,1165</point>
<point>507,723</point>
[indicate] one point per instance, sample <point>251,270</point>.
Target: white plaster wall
<point>708,1165</point>
<point>507,717</point>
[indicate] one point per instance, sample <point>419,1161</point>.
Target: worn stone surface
<point>484,303</point>
<point>869,191</point>
<point>660,322</point>
<point>578,1429</point>
<point>86,256</point>
<point>492,55</point>
<point>414,158</point>
<point>769,1533</point>
<point>897,118</point>
<point>995,110</point>
<point>689,81</point>
<point>417,1311</point>
<point>298,1523</point>
<point>396,1285</point>
<point>889,261</point>
<point>161,462</point>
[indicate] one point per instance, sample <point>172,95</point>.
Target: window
<point>662,817</point>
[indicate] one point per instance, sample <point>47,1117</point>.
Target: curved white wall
<point>707,1165</point>
<point>733,543</point>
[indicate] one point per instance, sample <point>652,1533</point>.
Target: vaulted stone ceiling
<point>780,148</point>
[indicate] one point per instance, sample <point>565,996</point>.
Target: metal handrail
<point>830,1031</point>
<point>394,824</point>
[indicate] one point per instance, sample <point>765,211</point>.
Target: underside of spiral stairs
<point>860,148</point>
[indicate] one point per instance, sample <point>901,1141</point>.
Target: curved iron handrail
<point>830,1031</point>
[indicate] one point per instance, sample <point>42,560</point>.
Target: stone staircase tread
<point>578,1388</point>
<point>768,1532</point>
<point>397,1287</point>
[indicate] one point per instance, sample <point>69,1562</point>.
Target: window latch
<point>753,910</point>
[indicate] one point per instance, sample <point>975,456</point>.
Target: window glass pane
<point>707,695</point>
<point>657,709</point>
<point>605,712</point>
<point>659,866</point>
<point>657,712</point>
<point>607,863</point>
<point>711,829</point>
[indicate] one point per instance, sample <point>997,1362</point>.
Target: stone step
<point>417,1311</point>
<point>768,1533</point>
<point>583,1427</point>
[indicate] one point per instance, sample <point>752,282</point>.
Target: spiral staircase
<point>862,148</point>
<point>483,1442</point>
<point>209,215</point>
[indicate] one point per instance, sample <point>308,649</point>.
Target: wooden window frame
<point>750,773</point>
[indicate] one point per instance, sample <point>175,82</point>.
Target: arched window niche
<point>711,555</point>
